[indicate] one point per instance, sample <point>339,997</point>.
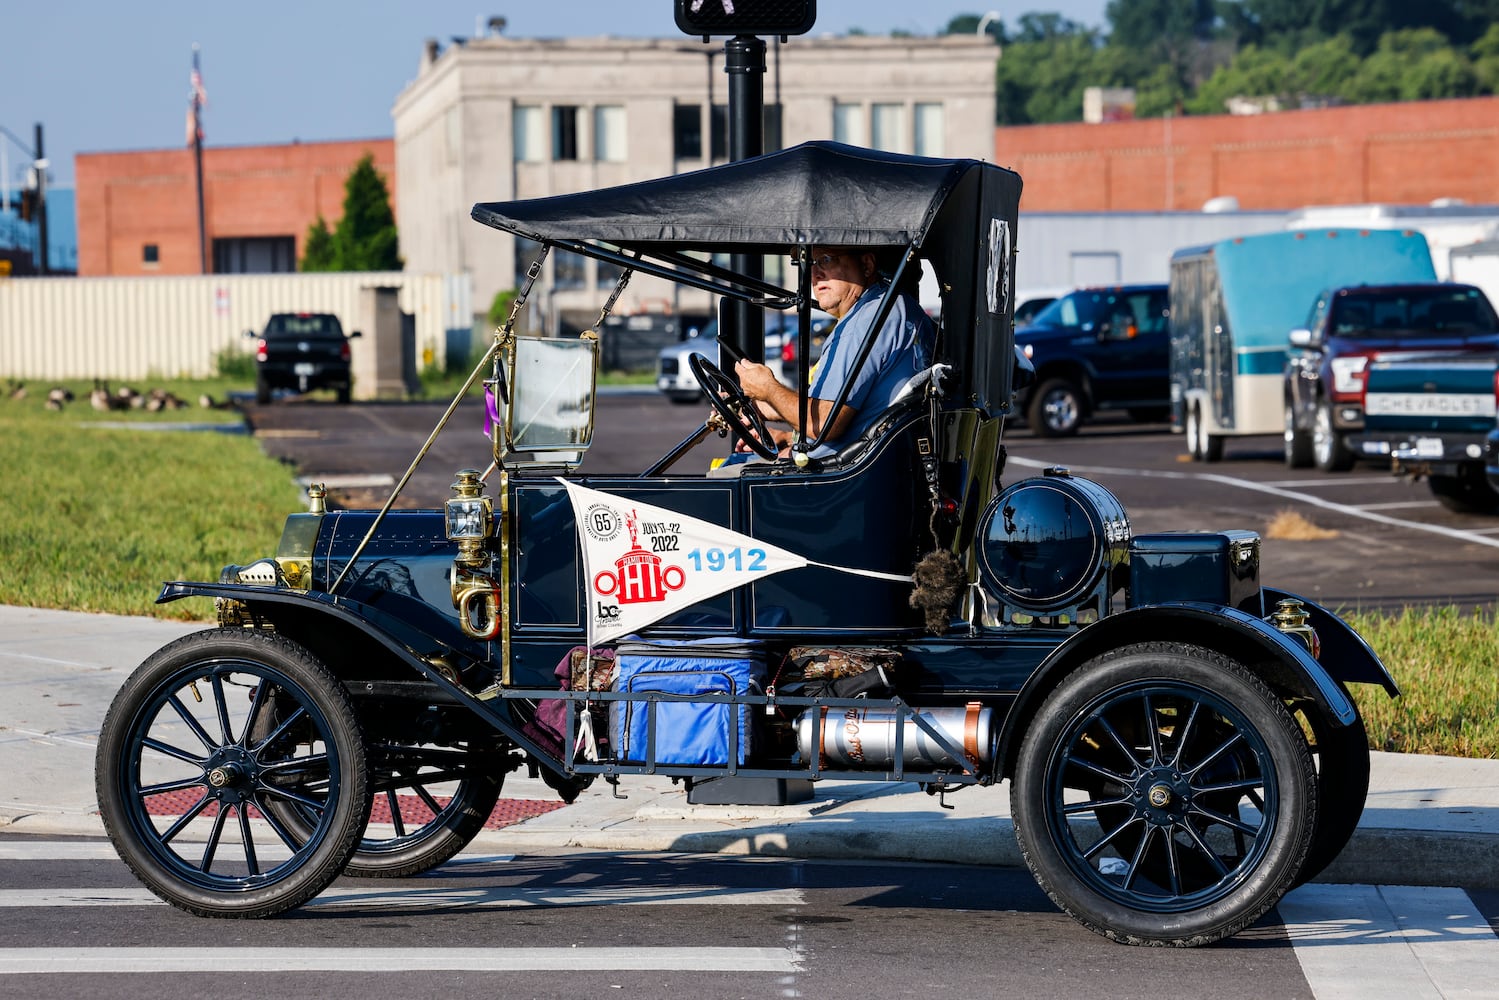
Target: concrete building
<point>495,118</point>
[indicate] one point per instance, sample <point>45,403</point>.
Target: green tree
<point>317,247</point>
<point>1410,65</point>
<point>365,238</point>
<point>1045,68</point>
<point>1485,53</point>
<point>1254,72</point>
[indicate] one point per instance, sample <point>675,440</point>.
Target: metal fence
<point>115,328</point>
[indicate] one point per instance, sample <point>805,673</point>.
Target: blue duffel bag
<point>687,732</point>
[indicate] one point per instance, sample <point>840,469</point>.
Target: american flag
<point>197,99</point>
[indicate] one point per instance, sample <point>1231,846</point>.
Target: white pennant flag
<point>643,562</point>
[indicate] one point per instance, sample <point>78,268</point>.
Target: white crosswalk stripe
<point>1383,942</point>
<point>22,961</point>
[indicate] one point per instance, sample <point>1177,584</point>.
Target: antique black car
<point>1179,740</point>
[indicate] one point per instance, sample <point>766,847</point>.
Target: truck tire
<point>1465,494</point>
<point>262,391</point>
<point>1056,408</point>
<point>1328,450</point>
<point>1164,795</point>
<point>1298,442</point>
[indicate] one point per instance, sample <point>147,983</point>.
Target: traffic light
<point>746,17</point>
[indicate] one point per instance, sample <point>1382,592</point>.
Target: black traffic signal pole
<point>743,325</point>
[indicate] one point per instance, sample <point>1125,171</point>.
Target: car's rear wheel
<point>344,393</point>
<point>1164,795</point>
<point>262,391</point>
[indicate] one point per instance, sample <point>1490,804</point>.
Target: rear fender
<point>1282,661</point>
<point>345,633</point>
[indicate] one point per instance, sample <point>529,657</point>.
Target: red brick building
<point>138,212</point>
<point>1404,153</point>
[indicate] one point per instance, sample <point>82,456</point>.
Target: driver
<point>847,283</point>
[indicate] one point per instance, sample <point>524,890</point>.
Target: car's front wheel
<point>1164,795</point>
<point>191,783</point>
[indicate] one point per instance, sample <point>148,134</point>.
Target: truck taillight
<point>1348,374</point>
<point>343,351</point>
<point>260,350</point>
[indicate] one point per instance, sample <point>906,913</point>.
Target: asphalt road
<point>1386,543</point>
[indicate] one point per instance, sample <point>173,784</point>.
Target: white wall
<point>176,326</point>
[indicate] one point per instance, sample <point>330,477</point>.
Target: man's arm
<point>760,384</point>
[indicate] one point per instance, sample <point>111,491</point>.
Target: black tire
<point>1190,796</point>
<point>1465,494</point>
<point>1298,446</point>
<point>445,794</point>
<point>262,391</point>
<point>1328,451</point>
<point>1341,754</point>
<point>1056,408</point>
<point>174,730</point>
<point>344,393</point>
<point>1202,446</point>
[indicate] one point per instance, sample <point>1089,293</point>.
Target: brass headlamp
<point>469,517</point>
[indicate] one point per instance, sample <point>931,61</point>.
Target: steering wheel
<point>737,410</point>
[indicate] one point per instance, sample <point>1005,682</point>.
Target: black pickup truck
<point>302,352</point>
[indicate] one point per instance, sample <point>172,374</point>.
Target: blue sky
<point>106,76</point>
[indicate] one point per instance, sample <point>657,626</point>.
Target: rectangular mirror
<point>551,385</point>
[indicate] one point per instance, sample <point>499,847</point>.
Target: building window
<point>687,131</point>
<point>564,132</point>
<point>608,273</point>
<point>530,139</point>
<point>772,127</point>
<point>150,255</point>
<point>718,132</point>
<point>848,123</point>
<point>930,130</point>
<point>609,133</point>
<point>569,270</point>
<point>888,127</point>
<point>255,255</point>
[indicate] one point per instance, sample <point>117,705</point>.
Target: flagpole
<point>198,161</point>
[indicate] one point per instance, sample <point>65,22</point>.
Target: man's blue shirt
<point>902,348</point>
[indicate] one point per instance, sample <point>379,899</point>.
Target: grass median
<point>102,507</point>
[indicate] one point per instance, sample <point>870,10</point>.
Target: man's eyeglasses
<point>825,261</point>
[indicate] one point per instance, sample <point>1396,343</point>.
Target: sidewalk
<point>1429,820</point>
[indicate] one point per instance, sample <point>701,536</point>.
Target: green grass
<point>1445,663</point>
<point>97,517</point>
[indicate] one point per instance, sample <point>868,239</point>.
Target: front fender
<point>1282,660</point>
<point>433,659</point>
<point>1345,654</point>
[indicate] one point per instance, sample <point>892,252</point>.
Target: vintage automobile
<point>1179,740</point>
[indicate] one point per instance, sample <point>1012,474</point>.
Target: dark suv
<point>302,351</point>
<point>1098,349</point>
<point>1347,330</point>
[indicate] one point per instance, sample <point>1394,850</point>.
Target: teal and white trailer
<point>1234,304</point>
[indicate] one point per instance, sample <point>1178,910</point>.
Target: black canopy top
<point>959,214</point>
